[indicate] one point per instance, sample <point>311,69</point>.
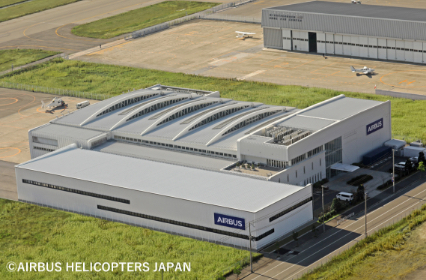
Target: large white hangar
<point>146,156</point>
<point>377,32</point>
<point>211,206</point>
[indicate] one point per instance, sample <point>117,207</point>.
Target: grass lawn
<point>4,3</point>
<point>140,18</point>
<point>407,115</point>
<point>392,253</point>
<point>31,233</point>
<point>21,57</point>
<point>31,7</point>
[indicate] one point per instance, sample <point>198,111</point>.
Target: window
<point>203,228</point>
<point>288,210</point>
<point>75,191</point>
<point>125,103</point>
<point>296,173</point>
<point>250,120</point>
<point>312,166</point>
<point>304,170</point>
<point>320,162</point>
<point>43,149</point>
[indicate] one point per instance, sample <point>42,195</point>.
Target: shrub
<point>326,216</point>
<point>237,270</point>
<point>361,179</point>
<point>336,205</point>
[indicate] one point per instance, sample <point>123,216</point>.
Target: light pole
<point>365,216</point>
<point>251,259</point>
<point>393,169</point>
<point>323,213</point>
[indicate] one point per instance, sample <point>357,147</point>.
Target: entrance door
<point>312,42</point>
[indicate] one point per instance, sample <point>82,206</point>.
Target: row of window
<point>299,39</point>
<point>187,149</point>
<point>276,163</point>
<point>147,96</point>
<point>313,179</point>
<point>155,107</point>
<point>123,104</point>
<point>315,151</point>
<point>371,46</point>
<point>50,186</point>
<point>250,120</point>
<point>298,159</point>
<point>177,223</point>
<point>186,111</point>
<point>98,142</point>
<point>288,210</point>
<point>218,116</point>
<point>43,149</point>
<point>45,141</point>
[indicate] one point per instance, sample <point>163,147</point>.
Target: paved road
<point>317,250</point>
<point>50,29</point>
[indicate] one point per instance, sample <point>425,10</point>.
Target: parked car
<point>414,159</point>
<point>401,165</point>
<point>344,196</point>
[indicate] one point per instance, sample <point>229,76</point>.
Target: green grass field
<point>31,233</point>
<point>4,3</point>
<point>140,18</point>
<point>407,115</point>
<point>392,253</point>
<point>21,57</point>
<point>31,7</point>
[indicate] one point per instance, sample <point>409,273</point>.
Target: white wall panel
<point>418,52</point>
<point>338,44</point>
<point>391,51</point>
<point>424,51</point>
<point>355,45</point>
<point>347,45</point>
<point>400,53</point>
<point>304,41</point>
<point>372,47</point>
<point>329,37</point>
<point>409,52</point>
<point>363,50</point>
<point>286,39</point>
<point>320,42</point>
<point>381,51</point>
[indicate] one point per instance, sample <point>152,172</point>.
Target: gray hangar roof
<point>214,188</point>
<point>348,9</point>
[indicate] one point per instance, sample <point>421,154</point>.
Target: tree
<point>408,166</point>
<point>295,237</point>
<point>422,158</point>
<point>336,205</point>
<point>237,270</point>
<point>421,168</point>
<point>360,192</point>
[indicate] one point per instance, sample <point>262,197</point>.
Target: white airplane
<point>365,70</point>
<point>57,101</point>
<point>356,2</point>
<point>244,35</point>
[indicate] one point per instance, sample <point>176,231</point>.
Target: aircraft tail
<point>353,69</point>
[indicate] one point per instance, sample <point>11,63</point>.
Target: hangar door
<point>381,49</point>
<point>329,44</point>
<point>300,41</point>
<point>372,47</point>
<point>418,52</point>
<point>400,52</point>
<point>391,49</point>
<point>338,44</point>
<point>355,45</point>
<point>347,45</point>
<point>287,39</point>
<point>409,51</point>
<point>363,46</point>
<point>320,42</point>
<point>272,38</point>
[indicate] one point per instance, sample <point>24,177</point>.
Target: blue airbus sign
<point>229,221</point>
<point>374,126</point>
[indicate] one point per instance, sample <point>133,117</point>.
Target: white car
<point>345,196</point>
<point>401,165</point>
<point>414,159</point>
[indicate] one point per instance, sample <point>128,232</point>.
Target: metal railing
<point>199,15</point>
<point>55,91</point>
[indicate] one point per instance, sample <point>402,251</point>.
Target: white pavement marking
<point>336,240</point>
<point>353,240</point>
<point>251,75</point>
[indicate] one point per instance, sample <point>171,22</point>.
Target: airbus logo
<point>229,221</point>
<point>374,126</point>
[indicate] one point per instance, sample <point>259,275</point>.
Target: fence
<point>401,94</point>
<point>56,91</point>
<point>199,15</point>
<point>226,17</point>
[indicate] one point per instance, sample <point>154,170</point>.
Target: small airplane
<point>56,102</point>
<point>244,35</point>
<point>356,2</point>
<point>365,70</point>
